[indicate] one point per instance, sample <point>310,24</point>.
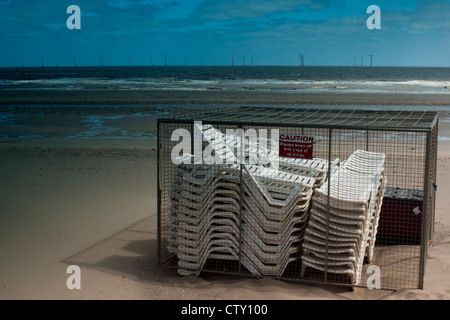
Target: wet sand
<point>127,97</point>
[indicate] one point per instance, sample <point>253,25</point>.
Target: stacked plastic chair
<point>204,211</point>
<point>275,206</point>
<point>212,217</point>
<point>316,168</point>
<point>344,217</point>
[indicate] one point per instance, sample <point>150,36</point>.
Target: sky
<point>218,32</point>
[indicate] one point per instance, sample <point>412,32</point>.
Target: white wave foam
<point>356,86</point>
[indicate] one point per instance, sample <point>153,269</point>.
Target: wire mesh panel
<point>330,196</point>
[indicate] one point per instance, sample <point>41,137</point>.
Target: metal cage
<point>341,196</point>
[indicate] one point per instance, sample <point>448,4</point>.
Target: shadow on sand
<point>130,253</point>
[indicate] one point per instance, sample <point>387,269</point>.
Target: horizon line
<point>222,65</point>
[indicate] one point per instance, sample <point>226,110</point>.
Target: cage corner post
<point>158,187</point>
<point>241,196</point>
<point>426,212</point>
<point>330,149</point>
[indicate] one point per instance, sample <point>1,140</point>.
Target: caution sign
<point>295,146</point>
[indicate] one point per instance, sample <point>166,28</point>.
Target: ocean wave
<point>356,86</point>
<point>259,78</point>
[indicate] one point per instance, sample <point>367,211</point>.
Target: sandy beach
<point>117,97</point>
<point>93,203</point>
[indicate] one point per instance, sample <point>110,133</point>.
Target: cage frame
<point>426,122</point>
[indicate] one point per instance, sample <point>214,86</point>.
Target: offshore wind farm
<point>184,60</point>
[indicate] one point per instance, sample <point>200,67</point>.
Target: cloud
<point>124,4</point>
<point>235,9</point>
<point>120,3</point>
<point>430,19</point>
<point>267,27</point>
<point>6,2</point>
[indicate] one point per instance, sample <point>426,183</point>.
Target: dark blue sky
<point>329,32</point>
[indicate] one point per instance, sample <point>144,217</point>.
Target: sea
<point>308,79</point>
<point>255,78</point>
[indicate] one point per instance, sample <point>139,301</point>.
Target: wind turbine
<point>201,61</point>
<point>251,63</point>
<point>371,57</point>
<point>362,57</point>
<point>102,58</point>
<point>75,61</point>
<point>354,61</point>
<point>165,58</point>
<point>302,58</point>
<point>42,60</point>
<point>23,61</point>
<point>185,60</point>
<point>243,60</point>
<point>129,60</point>
<point>232,60</point>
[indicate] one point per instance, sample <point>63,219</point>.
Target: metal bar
<point>306,125</point>
<point>241,196</point>
<point>434,166</point>
<point>328,203</point>
<point>158,187</point>
<point>295,116</point>
<point>168,259</point>
<point>192,142</point>
<point>367,140</point>
<point>425,213</point>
